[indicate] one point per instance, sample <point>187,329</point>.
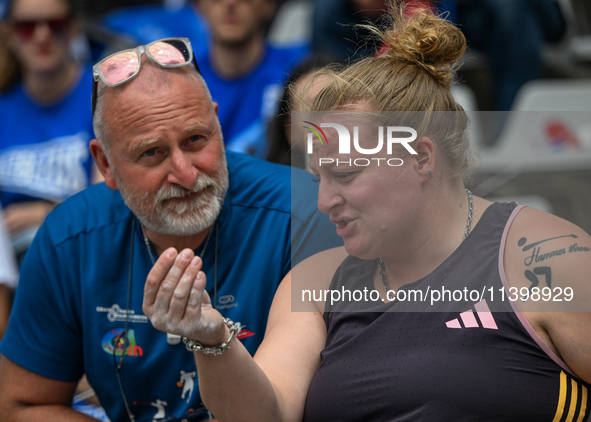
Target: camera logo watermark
<point>385,136</point>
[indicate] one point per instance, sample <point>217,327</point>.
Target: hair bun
<point>421,38</point>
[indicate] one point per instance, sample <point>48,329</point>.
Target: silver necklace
<point>148,246</point>
<point>381,266</point>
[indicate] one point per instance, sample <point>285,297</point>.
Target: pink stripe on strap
<point>516,309</point>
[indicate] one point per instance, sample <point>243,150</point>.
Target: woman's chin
<point>353,248</point>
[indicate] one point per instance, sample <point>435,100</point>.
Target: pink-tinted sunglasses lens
<point>120,67</point>
<point>168,54</point>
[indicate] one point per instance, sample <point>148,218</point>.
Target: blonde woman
<point>406,227</point>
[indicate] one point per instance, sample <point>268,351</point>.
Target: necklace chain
<point>381,266</point>
<point>147,242</point>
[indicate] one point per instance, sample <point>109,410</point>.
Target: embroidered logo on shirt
<point>160,406</point>
<point>115,313</point>
<point>187,382</point>
<point>227,301</point>
<point>469,319</point>
<point>114,342</point>
<point>243,332</point>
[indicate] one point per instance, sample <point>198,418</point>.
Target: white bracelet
<point>195,346</point>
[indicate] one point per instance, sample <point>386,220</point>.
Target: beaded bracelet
<point>195,346</point>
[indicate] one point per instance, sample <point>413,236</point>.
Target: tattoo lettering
<point>576,248</point>
<point>536,256</point>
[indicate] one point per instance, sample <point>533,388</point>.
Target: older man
<point>79,305</point>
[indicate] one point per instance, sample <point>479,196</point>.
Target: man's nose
<point>182,171</point>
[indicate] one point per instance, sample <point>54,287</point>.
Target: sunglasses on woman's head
<point>123,66</point>
<point>25,29</point>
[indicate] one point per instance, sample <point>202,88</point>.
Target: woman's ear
<point>425,159</point>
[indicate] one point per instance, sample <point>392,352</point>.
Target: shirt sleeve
<point>44,334</point>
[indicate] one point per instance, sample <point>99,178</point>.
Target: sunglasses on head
<point>26,28</point>
<point>123,66</point>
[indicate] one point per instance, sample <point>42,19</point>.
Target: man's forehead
<point>148,101</point>
<point>155,87</point>
<point>153,79</point>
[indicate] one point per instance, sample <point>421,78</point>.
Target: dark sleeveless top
<point>477,361</point>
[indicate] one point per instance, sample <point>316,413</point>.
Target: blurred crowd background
<point>525,82</point>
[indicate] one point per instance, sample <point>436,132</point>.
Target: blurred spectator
<point>150,22</point>
<point>45,119</point>
<point>279,134</point>
<point>335,28</point>
<point>8,276</point>
<point>512,34</point>
<point>244,73</point>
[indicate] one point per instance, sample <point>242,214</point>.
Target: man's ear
<point>103,164</point>
<point>215,107</point>
<point>425,158</point>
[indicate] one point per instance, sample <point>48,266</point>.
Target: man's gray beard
<point>185,218</point>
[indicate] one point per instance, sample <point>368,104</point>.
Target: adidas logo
<point>469,319</point>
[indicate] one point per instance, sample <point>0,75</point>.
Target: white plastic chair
<point>548,134</point>
<point>292,24</point>
<point>465,97</point>
<point>549,129</point>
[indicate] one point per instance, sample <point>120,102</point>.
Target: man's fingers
<point>157,275</point>
<point>179,299</point>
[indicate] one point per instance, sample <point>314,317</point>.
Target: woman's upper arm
<point>290,352</point>
<point>553,255</point>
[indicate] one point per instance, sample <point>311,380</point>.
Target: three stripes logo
<point>572,401</point>
<point>468,319</point>
<point>573,398</point>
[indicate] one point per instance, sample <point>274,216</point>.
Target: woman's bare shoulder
<point>547,264</point>
<point>538,238</point>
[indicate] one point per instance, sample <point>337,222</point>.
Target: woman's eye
<point>343,175</point>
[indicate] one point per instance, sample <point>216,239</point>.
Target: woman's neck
<point>434,239</point>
